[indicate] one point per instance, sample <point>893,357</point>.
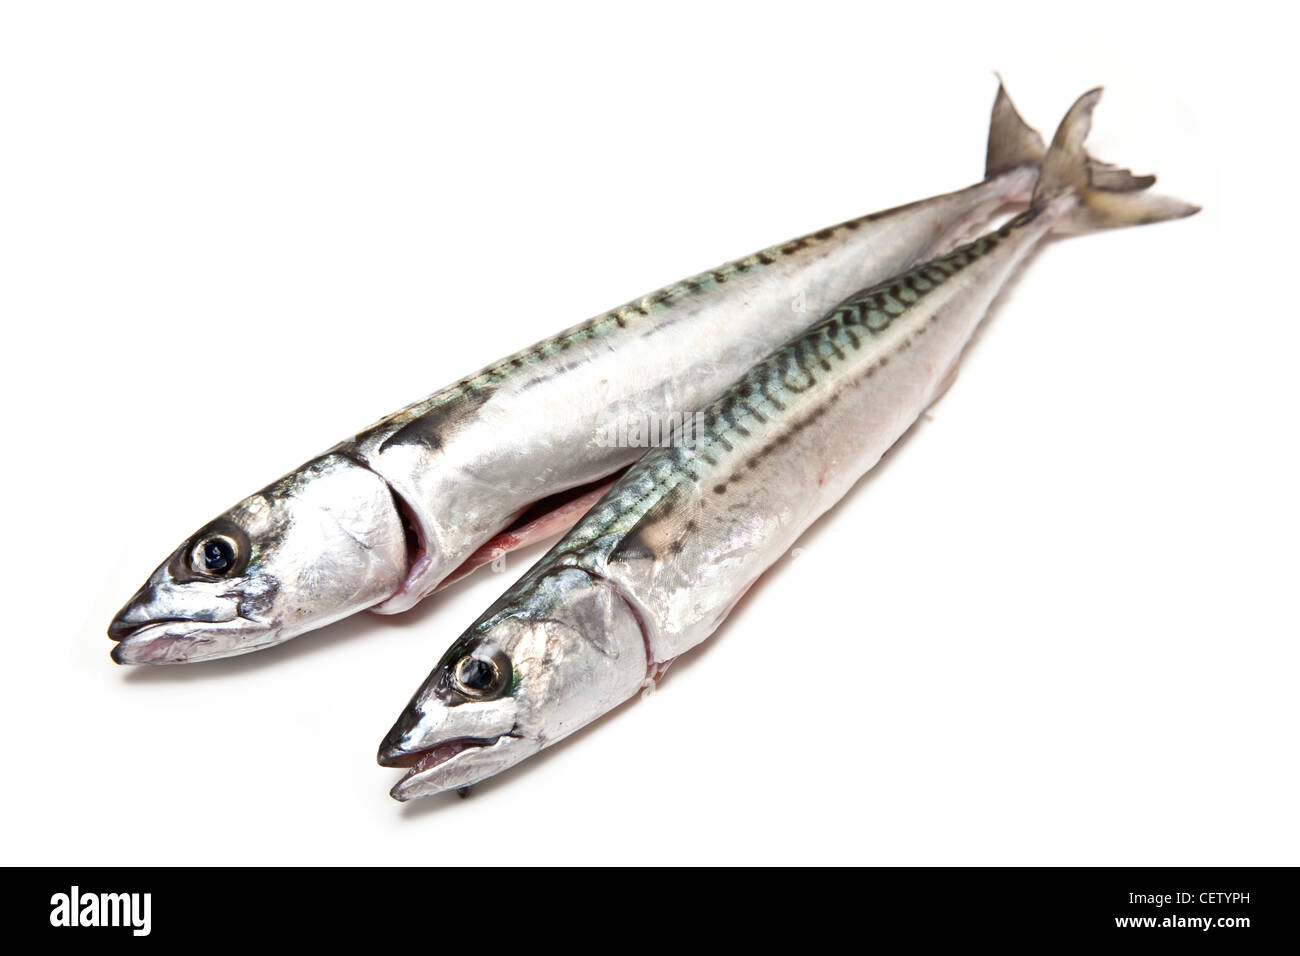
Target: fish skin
<point>680,538</point>
<point>663,351</point>
<point>460,466</point>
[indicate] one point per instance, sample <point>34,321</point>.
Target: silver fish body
<point>676,543</point>
<point>465,462</point>
<point>460,466</point>
<point>671,549</point>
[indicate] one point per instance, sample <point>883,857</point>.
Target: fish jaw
<point>439,715</point>
<point>179,642</point>
<point>461,763</point>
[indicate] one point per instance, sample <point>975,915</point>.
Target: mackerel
<point>658,563</point>
<point>384,518</point>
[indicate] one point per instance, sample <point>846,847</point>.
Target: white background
<point>1056,626</point>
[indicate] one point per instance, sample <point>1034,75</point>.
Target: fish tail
<point>1107,196</point>
<point>1012,141</point>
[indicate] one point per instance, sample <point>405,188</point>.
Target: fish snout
<point>430,723</point>
<point>396,749</point>
<point>134,613</point>
<point>159,602</point>
<point>167,622</point>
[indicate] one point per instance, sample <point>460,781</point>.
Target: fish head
<point>555,653</point>
<point>323,542</point>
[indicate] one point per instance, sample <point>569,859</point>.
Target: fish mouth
<point>178,641</point>
<point>417,761</point>
<point>452,764</point>
<point>121,629</point>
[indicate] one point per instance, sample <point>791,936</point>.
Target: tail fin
<point>1108,196</point>
<point>1012,141</point>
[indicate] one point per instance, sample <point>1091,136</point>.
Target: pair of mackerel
<point>663,547</point>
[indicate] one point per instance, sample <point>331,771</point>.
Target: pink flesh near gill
<point>548,525</point>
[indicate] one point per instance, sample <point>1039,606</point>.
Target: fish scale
<point>624,317</point>
<point>669,348</point>
<point>744,426</point>
<point>725,437</point>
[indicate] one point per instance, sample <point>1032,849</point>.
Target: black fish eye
<point>477,677</point>
<point>214,555</point>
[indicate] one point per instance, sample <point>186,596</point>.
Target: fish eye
<point>478,676</point>
<point>215,554</point>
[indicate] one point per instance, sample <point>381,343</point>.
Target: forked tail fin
<point>1012,141</point>
<point>1107,196</point>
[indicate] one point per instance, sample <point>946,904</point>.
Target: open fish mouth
<point>452,764</point>
<point>121,629</point>
<point>419,761</point>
